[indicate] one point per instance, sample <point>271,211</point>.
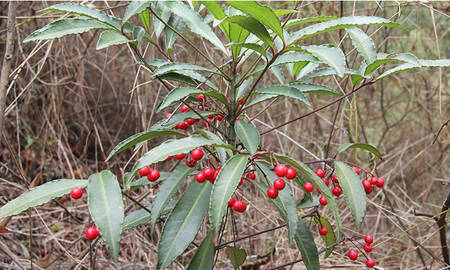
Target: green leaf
<point>330,237</point>
<point>145,19</point>
<point>306,245</point>
<point>328,72</point>
<point>332,56</point>
<point>314,88</point>
<point>308,20</point>
<point>140,137</point>
<point>40,195</point>
<point>106,208</point>
<point>195,23</point>
<point>308,203</point>
<point>397,69</point>
<point>363,43</point>
<point>237,256</point>
<point>135,7</point>
<point>242,89</point>
<point>435,63</point>
<point>168,189</point>
<point>376,64</point>
<point>183,223</point>
<point>111,37</point>
<point>224,187</point>
<point>284,90</point>
<point>248,135</point>
<point>178,24</point>
<point>354,193</point>
<point>263,14</point>
<point>260,98</point>
<point>253,26</point>
<point>173,67</point>
<point>278,72</point>
<point>142,216</point>
<point>164,13</point>
<point>65,27</point>
<point>143,181</point>
<point>293,57</point>
<point>180,93</point>
<point>252,46</point>
<point>364,146</point>
<point>204,257</point>
<point>282,12</point>
<point>175,119</point>
<point>192,75</point>
<point>341,23</point>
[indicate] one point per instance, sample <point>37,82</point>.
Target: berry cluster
<point>353,254</point>
<point>281,170</point>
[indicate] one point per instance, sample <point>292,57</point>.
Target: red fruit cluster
<point>369,183</point>
<point>92,233</point>
<point>152,174</point>
<point>353,254</point>
<point>281,170</point>
<point>237,205</point>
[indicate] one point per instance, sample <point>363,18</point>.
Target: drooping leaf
<point>332,56</point>
<point>314,88</point>
<point>144,16</point>
<point>40,195</point>
<point>330,237</point>
<point>364,146</point>
<point>284,90</point>
<point>178,24</point>
<point>179,93</point>
<point>253,26</point>
<point>196,76</point>
<point>307,246</point>
<point>363,43</point>
<point>65,27</point>
<point>111,37</point>
<point>142,216</point>
<point>183,223</point>
<point>195,23</point>
<point>164,14</point>
<point>204,257</point>
<point>413,63</point>
<point>167,189</point>
<point>293,57</point>
<point>252,46</point>
<point>173,67</point>
<point>106,208</point>
<point>135,7</point>
<point>376,64</point>
<point>237,256</point>
<point>224,187</point>
<point>397,69</point>
<point>248,135</point>
<point>308,20</point>
<point>435,63</point>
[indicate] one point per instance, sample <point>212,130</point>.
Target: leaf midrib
<point>108,214</point>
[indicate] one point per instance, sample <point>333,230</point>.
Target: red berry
<point>184,108</point>
<point>191,121</point>
<point>279,184</point>
<point>318,191</point>
<point>167,115</point>
<point>241,181</point>
<point>272,192</point>
<point>352,255</point>
<point>144,171</point>
<point>323,231</point>
<point>169,157</point>
<point>200,98</point>
<point>326,181</point>
<point>251,176</point>
<point>216,173</point>
<point>368,190</point>
<point>91,233</point>
<point>76,193</point>
<point>239,206</point>
<point>356,169</point>
<point>204,123</point>
<point>237,118</point>
<point>368,247</point>
<point>368,239</point>
<point>180,156</point>
<point>231,202</point>
<point>320,173</point>
<point>184,125</point>
<point>208,173</point>
<point>153,175</point>
<point>380,182</point>
<point>370,263</point>
<point>219,117</point>
<point>281,170</point>
<point>190,163</point>
<point>373,180</point>
<point>337,191</point>
<point>308,186</point>
<point>366,184</point>
<point>291,173</point>
<point>241,101</point>
<point>322,200</point>
<point>335,179</point>
<point>199,177</point>
<point>197,154</point>
<point>211,116</point>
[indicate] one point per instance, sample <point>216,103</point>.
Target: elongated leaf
<point>263,14</point>
<point>306,245</point>
<point>171,67</point>
<point>308,20</point>
<point>364,146</point>
<point>278,72</point>
<point>341,23</point>
<point>242,89</point>
<point>330,237</point>
<point>196,76</point>
<point>183,223</point>
<point>253,26</point>
<point>252,46</point>
<point>435,63</point>
<point>413,63</point>
<point>376,64</point>
<point>204,257</point>
<point>315,88</point>
<point>175,119</point>
<point>106,208</point>
<point>397,69</point>
<point>328,72</point>
<point>284,90</point>
<point>40,195</point>
<point>140,137</point>
<point>224,187</point>
<point>142,216</point>
<point>195,23</point>
<point>293,57</point>
<point>301,70</point>
<point>363,43</point>
<point>308,203</point>
<point>333,56</point>
<point>248,135</point>
<point>260,98</point>
<point>135,7</point>
<point>65,27</point>
<point>110,37</point>
<point>178,24</point>
<point>145,19</point>
<point>180,93</point>
<point>143,181</point>
<point>167,189</point>
<point>354,193</point>
<point>237,256</point>
<point>163,13</point>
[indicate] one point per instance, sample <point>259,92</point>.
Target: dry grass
<point>70,104</point>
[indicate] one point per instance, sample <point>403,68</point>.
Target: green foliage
<point>306,245</point>
<point>204,257</point>
<point>135,7</point>
<point>248,135</point>
<point>237,256</point>
<point>179,93</point>
<point>364,146</point>
<point>330,237</point>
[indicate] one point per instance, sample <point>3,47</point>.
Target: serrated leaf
<point>354,193</point>
<point>183,223</point>
<point>330,237</point>
<point>293,57</point>
<point>142,216</point>
<point>237,256</point>
<point>308,20</point>
<point>364,146</point>
<point>252,46</point>
<point>260,98</point>
<point>196,76</point>
<point>397,69</point>
<point>40,195</point>
<point>65,27</point>
<point>263,14</point>
<point>315,88</point>
<point>224,187</point>
<point>284,90</point>
<point>328,72</point>
<point>135,7</point>
<point>163,13</point>
<point>179,93</point>
<point>168,189</point>
<point>278,72</point>
<point>106,208</point>
<point>111,37</point>
<point>204,257</point>
<point>376,64</point>
<point>248,135</point>
<point>140,137</point>
<point>301,71</point>
<point>253,26</point>
<point>195,23</point>
<point>363,43</point>
<point>332,56</point>
<point>173,67</point>
<point>178,24</point>
<point>435,63</point>
<point>307,246</point>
